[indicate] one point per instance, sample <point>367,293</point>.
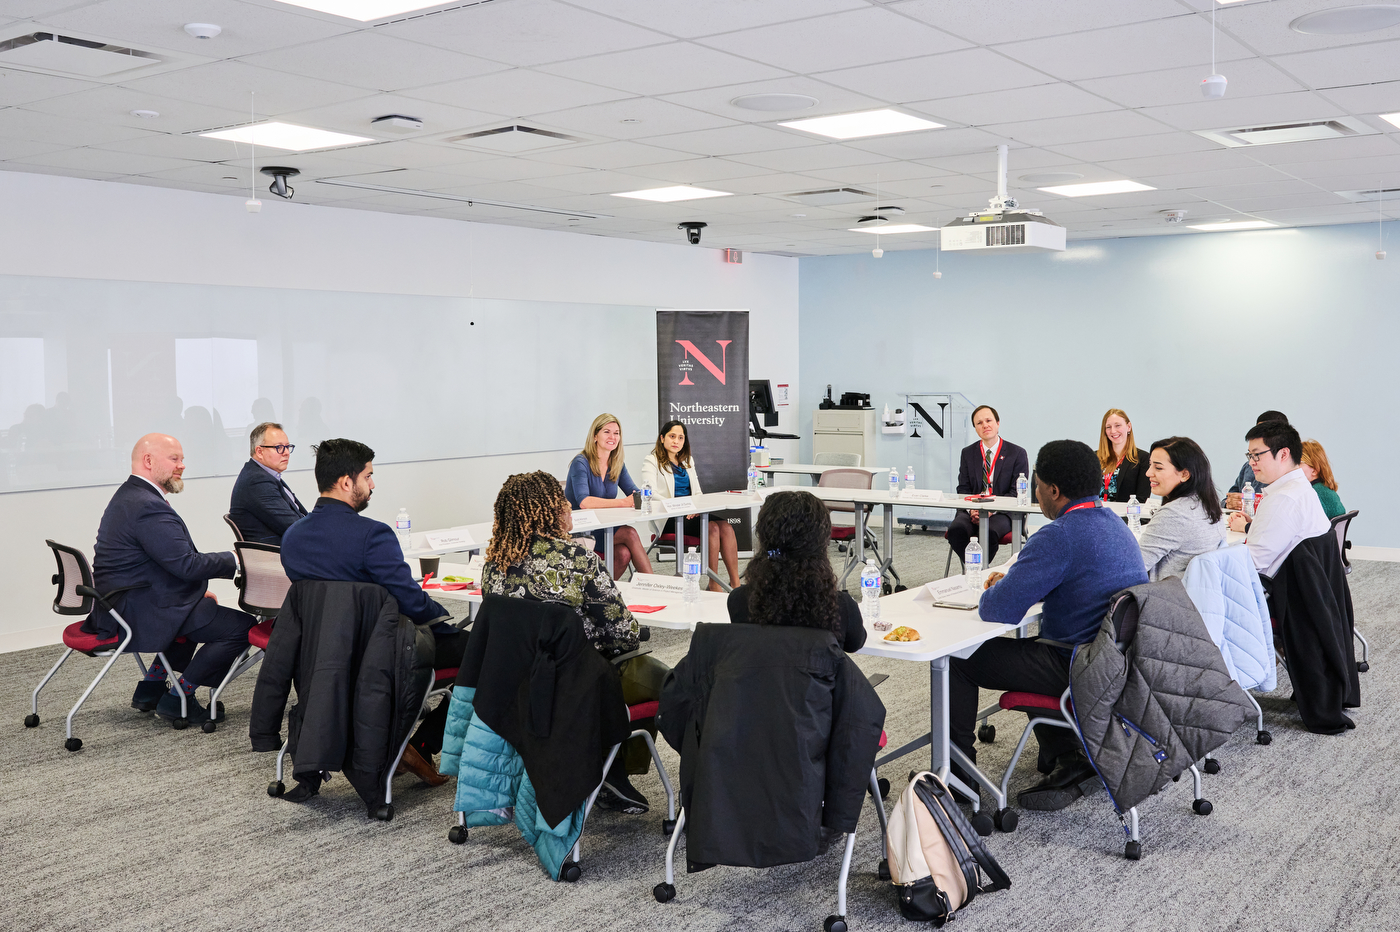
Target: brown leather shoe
<point>414,763</point>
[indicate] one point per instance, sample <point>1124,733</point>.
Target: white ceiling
<point>1107,89</point>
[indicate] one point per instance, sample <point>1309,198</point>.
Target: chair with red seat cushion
<point>665,544</point>
<point>843,534</point>
<point>262,586</point>
<point>1003,541</point>
<point>76,596</point>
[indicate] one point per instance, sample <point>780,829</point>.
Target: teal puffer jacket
<point>493,788</point>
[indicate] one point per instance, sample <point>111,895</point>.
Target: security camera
<point>279,175</point>
<point>692,230</point>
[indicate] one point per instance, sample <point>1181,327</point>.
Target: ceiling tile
<point>1332,168</point>
<point>1319,150</point>
<point>410,155</point>
<point>608,155</point>
<point>1045,18</point>
<point>644,116</point>
<point>1107,150</point>
<point>20,166</point>
<point>735,140</point>
<point>810,158</point>
<point>1164,43</point>
<point>356,116</point>
<point>16,123</point>
<point>525,32</point>
<point>121,163</point>
<point>1115,124</point>
<point>665,69</point>
<point>1259,174</point>
<point>703,172</point>
<point>113,105</point>
<point>688,20</point>
<point>932,144</point>
<point>1217,158</point>
<point>949,75</point>
<point>1371,63</point>
<point>1027,103</point>
<point>1223,193</point>
<point>235,86</point>
<point>1247,77</point>
<point>194,147</point>
<point>1264,27</point>
<point>23,87</point>
<point>11,148</point>
<point>517,93</point>
<point>830,99</point>
<point>840,40</point>
<point>1281,201</point>
<point>1299,106</point>
<point>374,61</point>
<point>1364,98</point>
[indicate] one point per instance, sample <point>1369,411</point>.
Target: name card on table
<point>650,582</point>
<point>920,495</point>
<point>951,592</point>
<point>585,521</point>
<point>459,537</point>
<point>676,506</point>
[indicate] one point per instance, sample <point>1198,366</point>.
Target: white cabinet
<point>837,431</point>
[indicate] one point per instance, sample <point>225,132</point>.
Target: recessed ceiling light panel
<point>1091,188</point>
<point>863,124</point>
<point>364,10</point>
<point>275,135</point>
<point>1392,118</point>
<point>1348,20</point>
<point>679,192</point>
<point>893,228</point>
<point>774,103</point>
<point>1232,225</point>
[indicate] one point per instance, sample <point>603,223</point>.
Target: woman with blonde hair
<point>595,475</point>
<point>1319,472</point>
<point>1123,465</point>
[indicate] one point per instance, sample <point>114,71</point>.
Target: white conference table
<point>813,470</point>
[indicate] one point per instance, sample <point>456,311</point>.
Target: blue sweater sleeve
<point>1037,571</point>
<point>385,564</point>
<point>576,486</point>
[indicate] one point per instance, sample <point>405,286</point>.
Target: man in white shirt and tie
<point>262,505</point>
<point>1290,511</point>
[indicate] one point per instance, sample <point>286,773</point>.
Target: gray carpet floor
<point>150,829</point>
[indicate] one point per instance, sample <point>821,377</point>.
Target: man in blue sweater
<point>1073,565</point>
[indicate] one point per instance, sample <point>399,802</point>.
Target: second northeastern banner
<point>702,380</point>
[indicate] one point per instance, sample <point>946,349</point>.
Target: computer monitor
<point>761,401</point>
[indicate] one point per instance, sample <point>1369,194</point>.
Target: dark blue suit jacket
<point>260,508</point>
<point>143,542</point>
<point>335,543</point>
<point>1011,462</point>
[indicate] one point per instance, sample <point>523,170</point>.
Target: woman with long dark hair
<point>670,471</point>
<point>789,581</point>
<point>1189,521</point>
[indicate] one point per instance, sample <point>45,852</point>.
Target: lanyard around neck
<point>1088,504</point>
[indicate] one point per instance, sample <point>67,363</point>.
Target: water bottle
<point>870,592</point>
<point>753,478</point>
<point>894,481</point>
<point>972,565</point>
<point>909,478</point>
<point>646,499</point>
<point>1134,514</point>
<point>691,588</point>
<point>1023,490</point>
<point>403,527</point>
<point>1247,499</point>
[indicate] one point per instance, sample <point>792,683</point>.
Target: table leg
<point>888,570</point>
<point>608,550</point>
<point>1018,530</point>
<point>858,551</point>
<point>984,535</point>
<point>704,544</point>
<point>938,717</point>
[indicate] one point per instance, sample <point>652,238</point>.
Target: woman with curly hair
<point>531,556</point>
<point>789,581</point>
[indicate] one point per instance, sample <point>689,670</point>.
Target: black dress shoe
<point>148,693</point>
<point>169,708</point>
<point>1072,778</point>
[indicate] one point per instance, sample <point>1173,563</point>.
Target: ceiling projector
<point>1003,226</point>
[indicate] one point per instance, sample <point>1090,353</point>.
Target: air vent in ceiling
<point>514,138</point>
<point>68,55</point>
<point>1374,194</point>
<point>1288,132</point>
<point>829,197</point>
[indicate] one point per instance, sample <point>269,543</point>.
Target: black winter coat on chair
<point>360,669</point>
<point>777,731</point>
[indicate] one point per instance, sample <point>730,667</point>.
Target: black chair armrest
<point>628,656</point>
<point>91,593</point>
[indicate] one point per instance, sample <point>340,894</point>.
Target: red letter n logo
<point>717,371</point>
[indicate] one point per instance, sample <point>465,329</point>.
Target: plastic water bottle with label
<point>870,592</point>
<point>972,565</point>
<point>1247,499</point>
<point>753,477</point>
<point>403,527</point>
<point>894,481</point>
<point>691,586</point>
<point>646,499</point>
<point>909,478</point>
<point>1023,490</point>
<point>1134,514</point>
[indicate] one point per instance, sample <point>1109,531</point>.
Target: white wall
<point>74,228</point>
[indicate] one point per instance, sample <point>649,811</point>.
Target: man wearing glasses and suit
<point>263,506</point>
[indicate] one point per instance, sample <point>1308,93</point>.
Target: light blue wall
<point>1190,334</point>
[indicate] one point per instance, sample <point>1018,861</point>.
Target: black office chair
<point>237,534</point>
<point>1340,525</point>
<point>262,587</point>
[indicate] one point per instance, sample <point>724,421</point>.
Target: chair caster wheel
<point>1211,766</point>
<point>901,588</point>
<point>884,786</point>
<point>987,734</point>
<point>209,727</point>
<point>569,872</point>
<point>457,834</point>
<point>276,788</point>
<point>884,869</point>
<point>72,744</point>
<point>1132,851</point>
<point>31,721</point>
<point>384,812</point>
<point>668,826</point>
<point>1362,666</point>
<point>982,824</point>
<point>834,924</point>
<point>179,724</point>
<point>886,589</point>
<point>1176,779</point>
<point>1006,820</point>
<point>664,892</point>
<point>1264,738</point>
<point>1201,806</point>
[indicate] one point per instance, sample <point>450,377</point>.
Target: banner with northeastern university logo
<point>702,380</point>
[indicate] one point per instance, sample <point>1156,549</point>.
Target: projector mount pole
<point>1001,202</point>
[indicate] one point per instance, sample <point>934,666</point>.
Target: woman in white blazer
<point>670,471</point>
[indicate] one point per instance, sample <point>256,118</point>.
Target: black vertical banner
<point>702,380</point>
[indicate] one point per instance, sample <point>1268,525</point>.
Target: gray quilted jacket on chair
<point>1147,711</point>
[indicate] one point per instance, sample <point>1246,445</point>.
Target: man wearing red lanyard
<point>1073,565</point>
<point>989,464</point>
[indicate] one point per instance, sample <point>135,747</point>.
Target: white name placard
<point>650,582</point>
<point>459,537</point>
<point>952,589</point>
<point>920,495</point>
<point>585,521</point>
<point>676,506</point>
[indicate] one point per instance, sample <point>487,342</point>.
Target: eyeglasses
<point>1254,457</point>
<point>281,448</point>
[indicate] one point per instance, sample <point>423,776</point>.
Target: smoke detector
<point>1174,216</point>
<point>202,30</point>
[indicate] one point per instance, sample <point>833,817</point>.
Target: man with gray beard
<point>144,546</point>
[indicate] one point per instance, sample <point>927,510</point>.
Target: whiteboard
<point>89,366</point>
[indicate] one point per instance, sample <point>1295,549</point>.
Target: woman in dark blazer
<point>1124,466</point>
